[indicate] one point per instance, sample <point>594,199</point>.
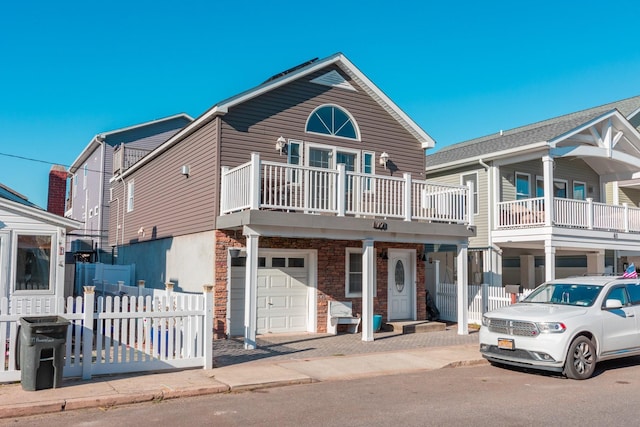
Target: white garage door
<point>283,294</point>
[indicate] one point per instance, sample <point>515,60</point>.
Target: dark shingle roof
<point>9,194</point>
<point>529,134</point>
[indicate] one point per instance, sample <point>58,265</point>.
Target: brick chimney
<point>57,190</point>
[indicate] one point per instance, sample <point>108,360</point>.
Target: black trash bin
<point>42,348</point>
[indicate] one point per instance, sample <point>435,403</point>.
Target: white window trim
<point>373,169</point>
<point>75,185</point>
<point>566,186</point>
<point>573,189</point>
<point>131,195</point>
<point>476,193</point>
<point>539,178</point>
<point>85,173</point>
<point>334,150</point>
<point>347,292</point>
<point>515,183</point>
<point>344,110</point>
<point>14,261</point>
<point>301,145</point>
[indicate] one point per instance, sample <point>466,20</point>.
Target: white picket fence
<point>119,334</point>
<point>481,298</point>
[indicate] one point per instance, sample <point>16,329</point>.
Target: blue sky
<point>71,69</point>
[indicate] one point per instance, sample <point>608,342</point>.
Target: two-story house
<point>106,153</point>
<point>552,199</point>
<point>305,189</point>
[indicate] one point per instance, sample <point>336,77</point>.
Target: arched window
<point>332,120</point>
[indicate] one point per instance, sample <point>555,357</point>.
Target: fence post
<point>342,189</point>
<point>87,331</point>
<point>140,287</point>
<point>407,197</point>
<point>485,298</point>
<point>590,213</point>
<point>254,182</point>
<point>169,289</point>
<point>208,326</point>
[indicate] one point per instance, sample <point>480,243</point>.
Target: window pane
<point>33,264</point>
<point>333,121</point>
<point>522,186</point>
<point>579,191</point>
<point>539,188</point>
<point>278,262</point>
<point>296,262</point>
<point>355,273</point>
<point>634,293</point>
<point>560,189</point>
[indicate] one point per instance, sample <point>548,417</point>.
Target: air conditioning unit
<point>81,245</point>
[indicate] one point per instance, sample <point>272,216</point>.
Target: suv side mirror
<point>613,303</point>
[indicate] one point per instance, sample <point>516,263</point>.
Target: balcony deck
<point>279,186</point>
<point>568,213</point>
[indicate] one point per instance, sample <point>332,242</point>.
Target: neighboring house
<point>552,199</point>
<point>108,153</point>
<point>32,248</point>
<point>307,188</point>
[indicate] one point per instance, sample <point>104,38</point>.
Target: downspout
<point>490,213</point>
<point>100,139</point>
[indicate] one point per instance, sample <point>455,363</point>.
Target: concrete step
<point>415,327</point>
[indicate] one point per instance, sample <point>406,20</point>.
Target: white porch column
<point>254,185</point>
<point>251,291</point>
<point>595,262</point>
<point>463,290</point>
<point>549,260</point>
<point>547,171</point>
<point>527,271</point>
<point>368,285</point>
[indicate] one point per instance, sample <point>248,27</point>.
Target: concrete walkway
<point>278,361</point>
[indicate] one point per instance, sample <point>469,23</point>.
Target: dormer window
<point>334,121</point>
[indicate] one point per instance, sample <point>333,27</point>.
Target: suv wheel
<point>581,359</point>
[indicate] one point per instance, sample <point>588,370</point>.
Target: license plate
<point>506,344</point>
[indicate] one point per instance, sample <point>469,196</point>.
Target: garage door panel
<point>298,322</point>
<point>278,302</point>
<point>299,301</point>
<point>262,303</point>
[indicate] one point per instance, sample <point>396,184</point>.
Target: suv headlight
<point>486,321</point>
<point>551,327</point>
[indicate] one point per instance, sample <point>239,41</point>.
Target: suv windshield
<point>564,293</point>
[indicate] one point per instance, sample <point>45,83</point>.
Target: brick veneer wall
<point>331,274</point>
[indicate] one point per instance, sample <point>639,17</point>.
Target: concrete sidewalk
<point>254,374</point>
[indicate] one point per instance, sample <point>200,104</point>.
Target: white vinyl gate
<point>482,298</point>
<point>119,334</point>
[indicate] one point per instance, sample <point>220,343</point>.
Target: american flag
<point>630,272</point>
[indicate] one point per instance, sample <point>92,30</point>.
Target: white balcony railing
<point>280,186</point>
<point>579,214</point>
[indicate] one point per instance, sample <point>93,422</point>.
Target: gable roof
<point>532,135</point>
<point>101,137</point>
<point>16,202</point>
<point>286,77</point>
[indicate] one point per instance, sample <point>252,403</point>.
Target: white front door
<point>401,284</point>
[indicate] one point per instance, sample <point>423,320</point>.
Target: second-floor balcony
<point>569,213</point>
<point>310,190</point>
<point>124,157</point>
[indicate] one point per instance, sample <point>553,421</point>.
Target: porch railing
<point>279,186</point>
<point>581,214</point>
<point>124,157</point>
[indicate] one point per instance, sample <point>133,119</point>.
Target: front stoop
<point>415,327</point>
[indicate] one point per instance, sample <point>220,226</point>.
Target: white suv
<point>566,326</point>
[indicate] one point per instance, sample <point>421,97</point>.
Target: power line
<point>15,156</point>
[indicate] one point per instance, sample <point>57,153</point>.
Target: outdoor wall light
<point>234,252</point>
<point>281,145</point>
<point>383,255</point>
<point>384,158</point>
